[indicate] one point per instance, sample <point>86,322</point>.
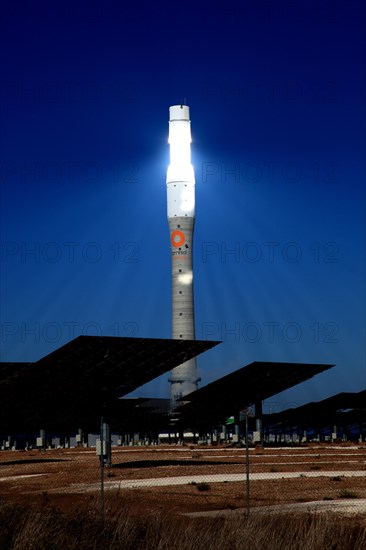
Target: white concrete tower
<point>181,213</point>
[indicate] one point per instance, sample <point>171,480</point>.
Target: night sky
<point>277,98</point>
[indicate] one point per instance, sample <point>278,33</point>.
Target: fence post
<point>247,461</point>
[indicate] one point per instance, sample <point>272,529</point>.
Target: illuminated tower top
<point>180,175</point>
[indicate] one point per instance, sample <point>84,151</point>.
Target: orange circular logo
<point>177,238</point>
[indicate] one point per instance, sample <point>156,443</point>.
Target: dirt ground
<point>70,478</point>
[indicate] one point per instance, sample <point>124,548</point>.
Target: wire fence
<point>184,476</point>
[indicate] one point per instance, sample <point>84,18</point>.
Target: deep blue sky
<point>277,98</point>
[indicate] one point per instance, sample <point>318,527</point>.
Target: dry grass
<point>67,517</point>
<point>25,528</point>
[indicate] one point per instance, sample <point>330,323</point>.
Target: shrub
<point>336,478</point>
<point>203,487</point>
<point>346,493</point>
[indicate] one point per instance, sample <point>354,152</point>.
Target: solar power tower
<point>181,216</point>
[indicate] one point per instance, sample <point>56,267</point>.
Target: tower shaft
<point>181,217</point>
<point>184,377</point>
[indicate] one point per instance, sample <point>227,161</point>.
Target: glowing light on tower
<point>181,213</point>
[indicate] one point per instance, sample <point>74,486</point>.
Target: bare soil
<point>70,478</point>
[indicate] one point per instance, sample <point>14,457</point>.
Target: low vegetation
<point>346,493</point>
<point>203,487</point>
<point>22,528</point>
